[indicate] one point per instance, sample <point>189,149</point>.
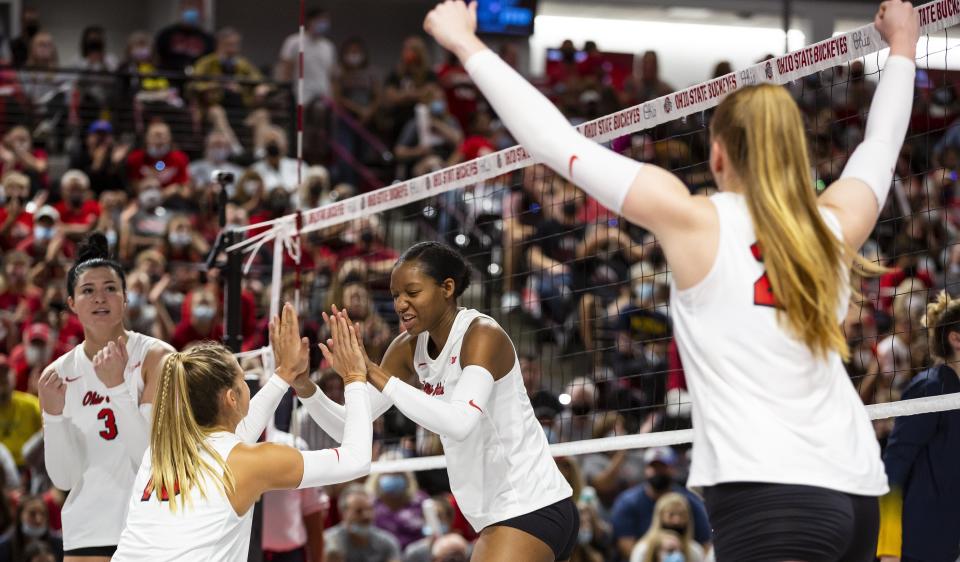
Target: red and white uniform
<point>207,529</point>
<point>503,468</point>
<point>765,409</point>
<point>94,448</point>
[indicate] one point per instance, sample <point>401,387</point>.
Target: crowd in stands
<point>125,141</point>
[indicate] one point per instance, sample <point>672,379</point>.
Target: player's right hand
<point>342,350</point>
<point>291,353</point>
<point>52,391</point>
<point>451,22</point>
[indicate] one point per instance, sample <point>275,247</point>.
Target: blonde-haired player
<point>194,493</point>
<point>782,443</point>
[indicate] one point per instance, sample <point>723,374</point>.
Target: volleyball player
<point>472,395</point>
<point>96,402</point>
<point>194,493</point>
<point>782,444</point>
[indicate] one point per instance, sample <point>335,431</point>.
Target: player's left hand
<point>291,353</point>
<point>110,362</point>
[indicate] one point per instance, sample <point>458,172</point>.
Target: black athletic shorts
<point>557,525</point>
<point>91,551</point>
<point>775,522</point>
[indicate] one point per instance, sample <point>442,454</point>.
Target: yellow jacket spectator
<point>19,413</point>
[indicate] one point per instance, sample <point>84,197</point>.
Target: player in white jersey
<point>96,401</point>
<point>784,449</point>
<point>194,493</point>
<point>471,394</point>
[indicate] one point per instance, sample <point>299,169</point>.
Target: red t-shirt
<point>891,280</point>
<point>88,213</point>
<point>185,334</point>
<point>476,146</point>
<point>170,169</point>
<point>22,227</point>
<point>37,153</point>
<point>67,249</point>
<point>460,91</point>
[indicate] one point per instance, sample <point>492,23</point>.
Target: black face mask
<point>93,46</point>
<point>580,409</point>
<point>366,237</point>
<point>678,529</point>
<point>570,208</point>
<point>76,200</point>
<point>660,482</point>
<point>273,150</point>
<point>278,205</point>
<point>31,29</point>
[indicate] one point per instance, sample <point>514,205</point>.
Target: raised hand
<point>53,393</point>
<point>342,350</point>
<point>454,24</point>
<point>899,25</point>
<point>110,362</point>
<point>291,353</point>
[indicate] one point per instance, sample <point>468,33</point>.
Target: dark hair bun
<point>95,246</point>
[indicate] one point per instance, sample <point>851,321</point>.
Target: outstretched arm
<point>859,195</point>
<point>645,194</point>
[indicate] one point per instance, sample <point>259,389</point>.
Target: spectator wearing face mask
<point>633,512</point>
<point>226,64</point>
<point>671,513</point>
<point>397,508</point>
<point>17,154</point>
<point>144,224</point>
<point>78,209</point>
<point>34,527</point>
<point>201,324</point>
<point>182,243</point>
<point>355,539</point>
<point>216,152</point>
<point>429,138</point>
<point>319,57</point>
<point>159,159</point>
<point>20,298</point>
<point>180,44</point>
<point>19,413</point>
<point>421,550</point>
<point>357,92</point>
<point>666,546</point>
<point>276,169</point>
<point>47,242</point>
<point>593,539</point>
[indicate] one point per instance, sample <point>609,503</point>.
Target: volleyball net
<point>585,295</point>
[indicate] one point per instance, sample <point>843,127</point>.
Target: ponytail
<point>762,131</point>
<point>190,383</point>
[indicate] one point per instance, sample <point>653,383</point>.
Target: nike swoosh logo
<point>72,380</point>
<point>421,365</point>
<point>338,454</point>
<point>573,159</point>
<point>474,404</point>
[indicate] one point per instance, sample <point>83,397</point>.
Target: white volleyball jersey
<point>95,509</point>
<point>207,529</point>
<point>503,469</point>
<point>765,409</point>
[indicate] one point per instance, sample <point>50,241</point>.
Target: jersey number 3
<point>762,289</point>
<point>109,431</point>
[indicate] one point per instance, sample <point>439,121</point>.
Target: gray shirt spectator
<point>355,539</point>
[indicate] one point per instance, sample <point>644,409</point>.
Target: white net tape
<point>666,438</point>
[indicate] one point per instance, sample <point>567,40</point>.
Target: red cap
<point>37,331</point>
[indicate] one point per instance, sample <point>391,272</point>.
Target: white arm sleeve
<point>455,419</point>
<point>62,455</point>
<point>873,162</point>
<point>331,416</point>
<point>547,135</point>
<point>132,430</point>
<point>262,406</point>
<point>352,459</point>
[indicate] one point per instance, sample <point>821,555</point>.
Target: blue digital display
<point>506,17</point>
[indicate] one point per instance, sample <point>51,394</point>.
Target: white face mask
<point>35,355</point>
